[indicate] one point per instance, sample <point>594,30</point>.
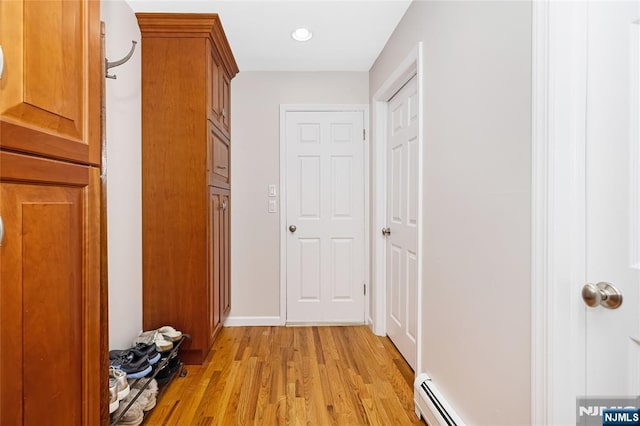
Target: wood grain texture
<point>50,303</point>
<point>50,91</point>
<point>290,376</point>
<point>188,25</point>
<point>184,156</point>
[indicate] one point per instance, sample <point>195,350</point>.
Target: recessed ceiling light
<point>301,34</point>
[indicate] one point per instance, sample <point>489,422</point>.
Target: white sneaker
<point>122,386</point>
<point>170,333</point>
<point>113,395</point>
<point>152,336</point>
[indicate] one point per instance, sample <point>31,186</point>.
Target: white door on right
<point>612,333</point>
<point>402,221</point>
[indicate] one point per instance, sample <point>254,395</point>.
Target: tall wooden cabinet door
<point>214,247</point>
<point>214,98</point>
<point>50,87</point>
<point>226,103</point>
<point>50,368</point>
<point>225,295</point>
<point>219,159</point>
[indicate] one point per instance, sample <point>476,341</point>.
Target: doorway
<point>586,214</point>
<point>324,220</point>
<point>397,185</point>
<point>401,232</point>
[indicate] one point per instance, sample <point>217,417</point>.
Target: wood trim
<point>94,82</point>
<point>24,168</point>
<point>104,268</point>
<point>94,354</point>
<point>35,141</point>
<point>190,25</point>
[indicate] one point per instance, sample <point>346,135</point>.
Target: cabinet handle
<point>1,62</point>
<point>222,167</point>
<point>1,230</point>
<point>223,113</point>
<point>223,206</point>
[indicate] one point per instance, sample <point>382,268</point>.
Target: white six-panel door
<point>325,216</point>
<point>402,221</point>
<point>612,193</point>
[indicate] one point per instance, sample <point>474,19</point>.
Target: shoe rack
<point>162,386</point>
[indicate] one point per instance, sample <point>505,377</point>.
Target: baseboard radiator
<point>431,406</point>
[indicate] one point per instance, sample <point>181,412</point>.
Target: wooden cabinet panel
<point>220,164</point>
<point>214,76</point>
<point>50,355</point>
<point>225,231</point>
<point>51,86</point>
<point>214,247</point>
<point>226,103</point>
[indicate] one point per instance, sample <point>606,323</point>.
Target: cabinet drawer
<point>219,159</point>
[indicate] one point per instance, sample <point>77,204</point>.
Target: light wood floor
<point>293,376</point>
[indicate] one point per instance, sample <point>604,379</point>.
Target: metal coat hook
<point>108,65</point>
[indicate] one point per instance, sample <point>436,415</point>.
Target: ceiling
<point>348,35</point>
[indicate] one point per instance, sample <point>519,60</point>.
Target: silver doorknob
<point>292,228</point>
<point>386,231</point>
<point>603,294</point>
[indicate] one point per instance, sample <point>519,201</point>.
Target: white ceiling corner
<point>348,35</point>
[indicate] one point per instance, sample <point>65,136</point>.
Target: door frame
<point>284,109</point>
<point>558,216</point>
<point>410,66</point>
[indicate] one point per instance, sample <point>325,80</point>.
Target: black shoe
<point>134,366</point>
<point>140,350</point>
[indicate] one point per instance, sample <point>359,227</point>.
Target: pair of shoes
<point>150,393</point>
<point>134,414</point>
<point>162,337</point>
<point>170,333</point>
<point>140,350</point>
<point>172,365</point>
<point>118,388</point>
<point>135,365</point>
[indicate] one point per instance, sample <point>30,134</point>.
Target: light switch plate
<point>273,207</point>
<point>272,190</point>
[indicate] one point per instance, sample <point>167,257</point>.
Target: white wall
<point>477,127</point>
<point>124,202</point>
<point>255,237</point>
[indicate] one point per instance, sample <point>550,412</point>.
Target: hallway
<point>293,375</point>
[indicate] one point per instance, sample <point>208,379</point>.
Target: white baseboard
<point>252,321</point>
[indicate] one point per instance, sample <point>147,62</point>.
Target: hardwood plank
<point>293,376</point>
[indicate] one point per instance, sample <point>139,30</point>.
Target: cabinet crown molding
<point>190,25</point>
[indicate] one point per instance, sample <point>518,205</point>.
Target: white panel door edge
<point>585,200</point>
<point>411,65</point>
<point>402,221</point>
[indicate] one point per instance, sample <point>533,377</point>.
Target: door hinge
<point>364,135</point>
<point>364,287</point>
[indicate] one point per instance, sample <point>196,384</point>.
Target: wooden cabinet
<point>185,175</point>
<point>53,365</point>
<point>50,88</point>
